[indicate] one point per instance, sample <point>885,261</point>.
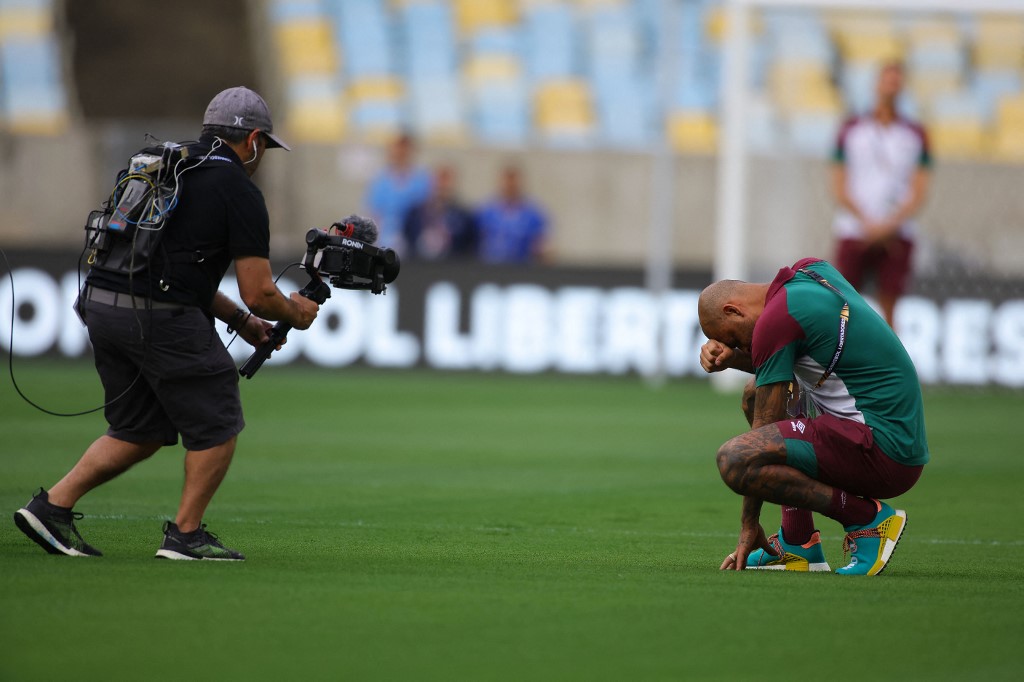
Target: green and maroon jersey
<point>874,382</point>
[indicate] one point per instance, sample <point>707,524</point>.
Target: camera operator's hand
<point>255,332</point>
<point>304,311</point>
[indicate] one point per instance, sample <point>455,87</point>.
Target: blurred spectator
<point>512,228</point>
<point>397,188</point>
<point>440,227</point>
<point>880,179</point>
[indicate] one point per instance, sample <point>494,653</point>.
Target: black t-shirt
<point>221,215</point>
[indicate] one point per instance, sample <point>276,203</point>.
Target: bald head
<point>728,311</point>
<point>713,299</point>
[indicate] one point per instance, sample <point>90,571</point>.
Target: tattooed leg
<point>753,464</point>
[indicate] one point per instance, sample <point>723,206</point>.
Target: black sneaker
<point>52,527</point>
<point>199,544</point>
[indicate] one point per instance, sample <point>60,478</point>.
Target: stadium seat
<point>693,132</point>
<point>957,130</point>
<point>306,46</point>
<point>427,37</point>
<point>376,111</point>
<point>990,85</point>
<point>34,101</point>
<point>365,37</point>
<point>436,110</point>
<point>474,15</point>
<point>563,112</point>
<point>500,112</point>
<point>550,41</point>
<point>1008,136</point>
<point>315,109</point>
<point>287,11</point>
<point>999,42</point>
<point>865,36</point>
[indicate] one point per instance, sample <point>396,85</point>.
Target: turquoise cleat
<point>872,545</point>
<point>806,557</point>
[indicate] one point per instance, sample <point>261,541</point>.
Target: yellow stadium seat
<point>47,125</point>
<point>865,36</point>
<point>999,42</point>
<point>1008,145</point>
<point>488,68</point>
<point>693,132</point>
<point>933,31</point>
<point>1008,28</point>
<point>321,120</point>
<point>473,15</point>
<point>958,139</point>
<point>564,106</point>
<point>929,85</point>
<point>716,24</point>
<point>306,47</point>
<point>871,48</point>
<point>382,88</point>
<point>1010,112</point>
<point>25,23</point>
<point>802,86</point>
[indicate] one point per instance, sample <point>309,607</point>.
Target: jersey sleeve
<point>924,159</point>
<point>778,367</point>
<point>248,225</point>
<point>839,152</point>
<point>777,342</point>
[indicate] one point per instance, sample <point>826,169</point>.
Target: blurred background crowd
<point>556,106</point>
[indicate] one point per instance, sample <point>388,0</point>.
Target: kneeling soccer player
<point>859,437</point>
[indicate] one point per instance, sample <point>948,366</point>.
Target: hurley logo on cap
<point>240,107</point>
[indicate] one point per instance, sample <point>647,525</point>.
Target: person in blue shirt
<point>396,189</point>
<point>440,227</point>
<point>512,228</point>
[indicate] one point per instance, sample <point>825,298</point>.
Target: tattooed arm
<point>770,403</point>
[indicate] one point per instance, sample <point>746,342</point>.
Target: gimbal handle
<point>316,290</point>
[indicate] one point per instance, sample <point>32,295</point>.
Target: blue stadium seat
<point>283,11</point>
<point>436,107</point>
<point>990,85</point>
<point>31,85</point>
<point>625,115</point>
<point>501,113</point>
<point>366,38</point>
<point>429,42</point>
<point>550,42</point>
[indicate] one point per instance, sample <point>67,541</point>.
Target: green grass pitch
<point>414,525</point>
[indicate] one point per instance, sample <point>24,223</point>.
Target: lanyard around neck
<point>844,320</point>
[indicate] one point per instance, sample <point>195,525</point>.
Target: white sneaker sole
<point>37,526</point>
<point>178,556</point>
<point>890,543</point>
<point>811,568</point>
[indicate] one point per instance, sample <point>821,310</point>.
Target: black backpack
<point>124,235</point>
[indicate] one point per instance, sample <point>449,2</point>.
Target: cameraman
<point>163,367</point>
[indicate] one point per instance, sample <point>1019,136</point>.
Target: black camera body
<point>347,263</point>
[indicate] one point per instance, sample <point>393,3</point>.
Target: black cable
<point>10,360</point>
<point>10,348</point>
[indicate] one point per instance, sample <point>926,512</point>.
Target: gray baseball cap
<point>243,109</point>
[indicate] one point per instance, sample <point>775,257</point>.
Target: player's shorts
<point>843,453</point>
<point>188,383</point>
<point>890,262</point>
